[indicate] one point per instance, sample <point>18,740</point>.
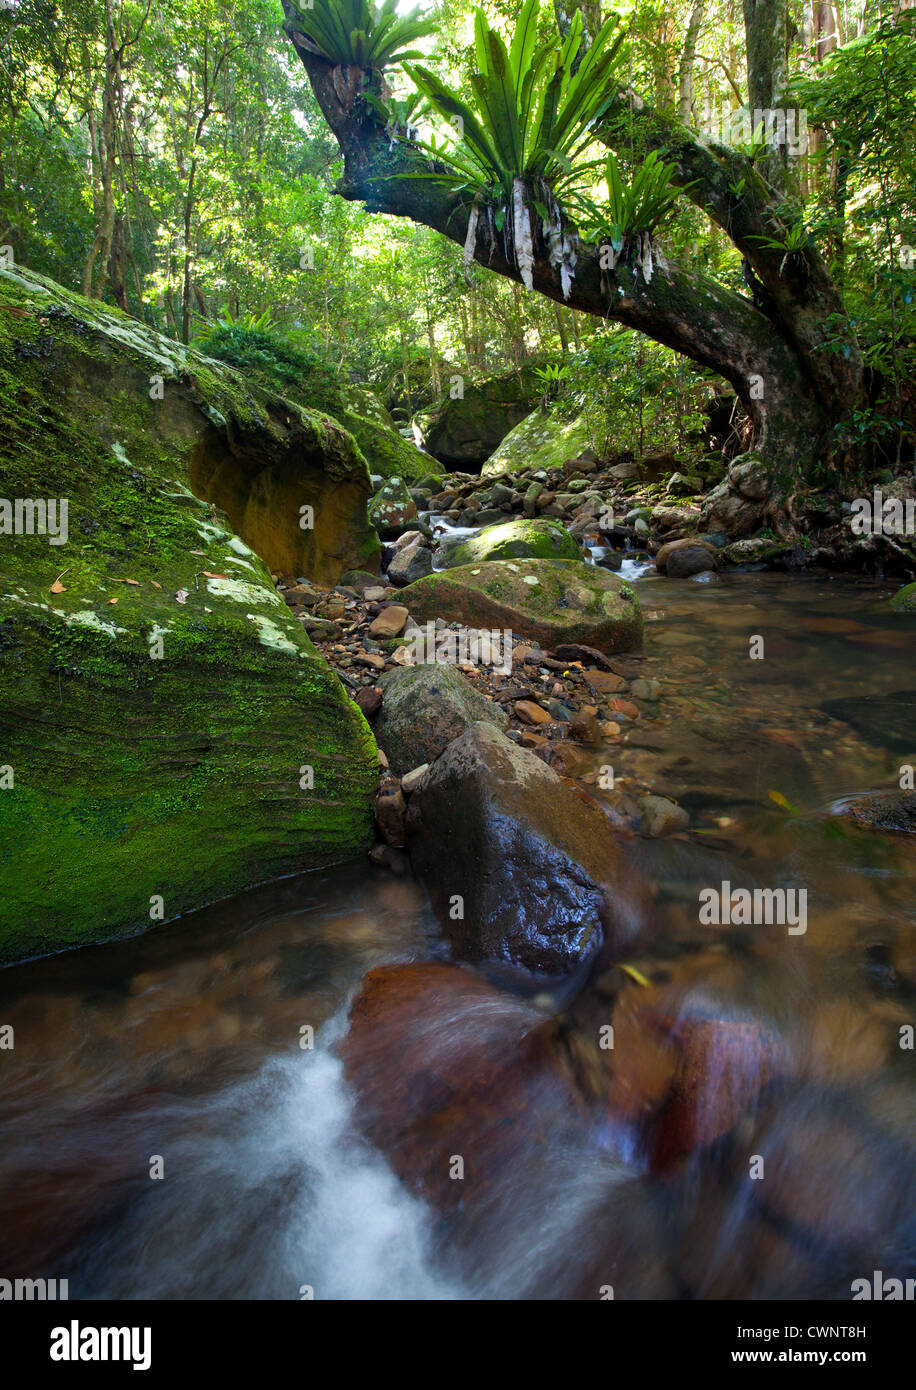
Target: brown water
<point>184,1045</point>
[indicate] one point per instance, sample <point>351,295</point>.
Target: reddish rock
<point>445,1065</point>
<point>625,707</point>
<point>722,1066</point>
<point>369,700</point>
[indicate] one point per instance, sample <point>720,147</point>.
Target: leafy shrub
<point>276,363</point>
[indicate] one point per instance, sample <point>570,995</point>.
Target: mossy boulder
<point>159,703</point>
<point>463,433</point>
<point>552,601</point>
<point>904,601</point>
<point>385,450</point>
<point>392,508</point>
<point>539,441</point>
<point>514,540</point>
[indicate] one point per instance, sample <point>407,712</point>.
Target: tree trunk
<point>770,348</point>
<point>688,58</point>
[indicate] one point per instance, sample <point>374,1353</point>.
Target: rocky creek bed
<point>584,1166</point>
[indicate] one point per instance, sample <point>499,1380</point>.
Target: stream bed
<point>165,1134</point>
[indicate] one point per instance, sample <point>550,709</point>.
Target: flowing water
<point>179,1052</point>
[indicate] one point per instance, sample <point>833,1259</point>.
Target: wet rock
<point>425,708</point>
<point>662,817</point>
<point>584,727</point>
<point>586,656</point>
<point>893,811</point>
<point>680,559</point>
<point>722,1066</point>
<point>529,712</point>
<point>534,870</point>
<point>446,1064</point>
<point>605,682</point>
<point>411,562</point>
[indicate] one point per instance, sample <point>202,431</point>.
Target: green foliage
<point>353,33</point>
<point>534,109</point>
<point>635,396</point>
<point>274,361</point>
<point>637,206</point>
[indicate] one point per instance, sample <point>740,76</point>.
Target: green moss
<point>387,452</point>
<point>553,601</point>
<point>539,441</point>
<point>518,539</point>
<point>904,601</point>
<point>141,770</point>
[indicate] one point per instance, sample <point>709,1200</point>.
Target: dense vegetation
<point>178,161</point>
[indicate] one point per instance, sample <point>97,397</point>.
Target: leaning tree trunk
<point>769,347</point>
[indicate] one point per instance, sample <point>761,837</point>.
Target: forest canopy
<point>648,197</point>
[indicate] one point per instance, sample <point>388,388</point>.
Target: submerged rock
<point>551,601</point>
<point>889,811</point>
<point>426,707</point>
<point>446,1064</point>
<point>171,732</point>
<point>520,868</point>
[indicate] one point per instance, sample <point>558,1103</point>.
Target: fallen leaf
<point>182,596</point>
<point>135,582</point>
<point>636,975</point>
<point>58,588</point>
<point>197,552</point>
<point>112,600</point>
<point>155,585</point>
<point>207,575</point>
<point>781,801</point>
